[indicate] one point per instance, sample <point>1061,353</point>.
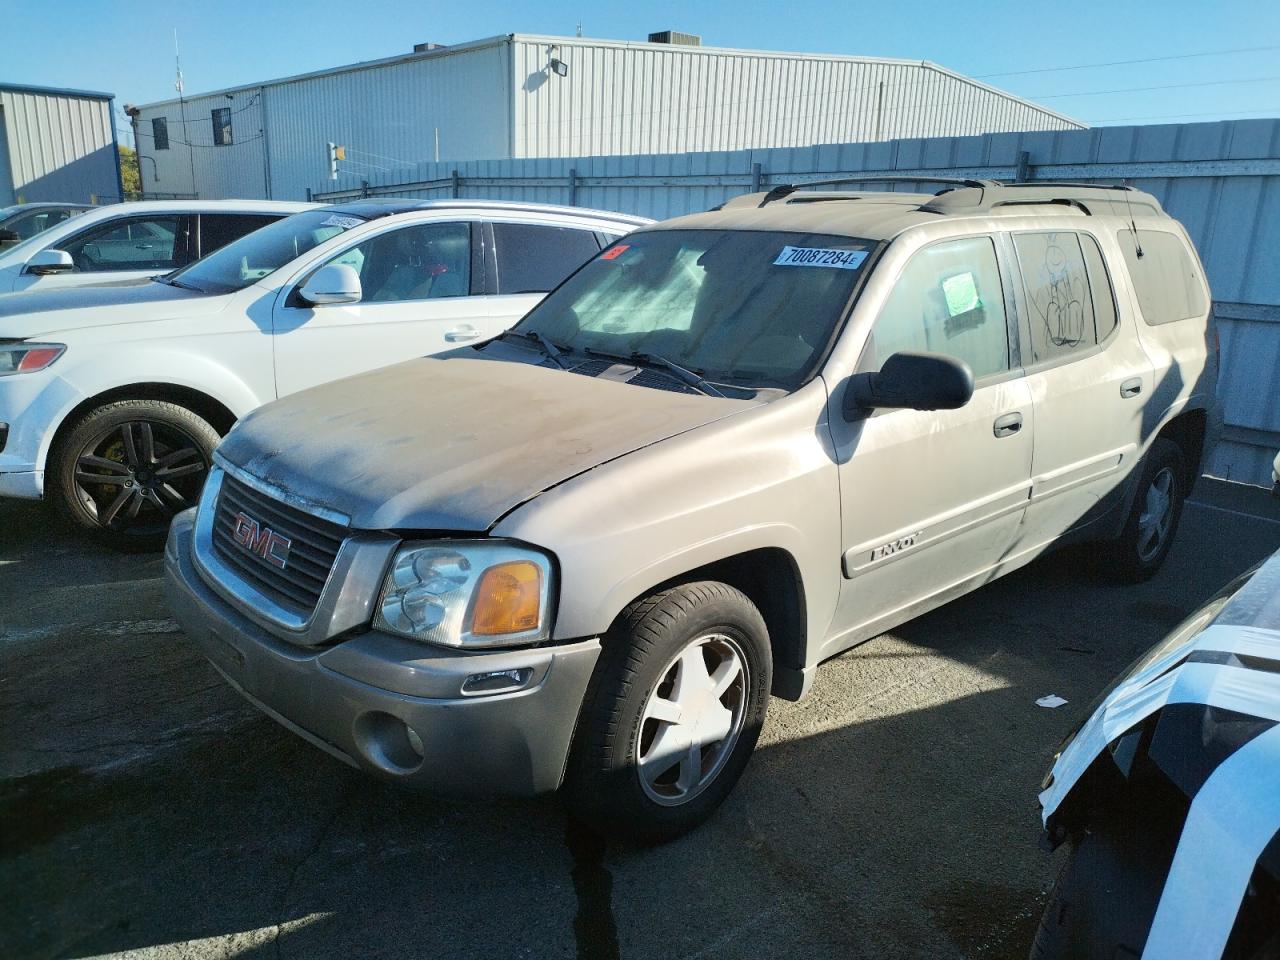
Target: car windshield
<point>752,308</point>
<point>263,252</point>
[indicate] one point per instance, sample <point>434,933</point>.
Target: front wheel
<point>672,713</point>
<point>127,467</point>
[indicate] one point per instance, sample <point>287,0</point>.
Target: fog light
<point>496,681</point>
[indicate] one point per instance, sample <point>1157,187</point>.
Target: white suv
<point>127,241</point>
<point>113,398</point>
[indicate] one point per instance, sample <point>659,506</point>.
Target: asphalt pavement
<point>145,810</point>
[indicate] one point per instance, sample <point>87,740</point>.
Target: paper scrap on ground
<point>1051,701</point>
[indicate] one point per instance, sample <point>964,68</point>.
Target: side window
<point>1166,279</point>
<point>1059,308</point>
<point>219,229</point>
<point>1104,298</point>
<point>221,117</point>
<point>143,243</point>
<point>160,133</point>
<point>427,261</point>
<point>534,258</point>
<point>30,225</point>
<point>949,299</point>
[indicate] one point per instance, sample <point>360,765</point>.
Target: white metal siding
<point>60,147</point>
<point>657,98</point>
<point>385,115</point>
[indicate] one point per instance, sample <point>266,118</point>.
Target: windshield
<point>748,307</point>
<point>263,252</point>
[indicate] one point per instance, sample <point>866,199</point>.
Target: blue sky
<point>126,47</point>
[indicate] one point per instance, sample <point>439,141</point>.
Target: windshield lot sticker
<point>613,253</point>
<point>961,292</point>
<point>345,222</point>
<point>818,257</point>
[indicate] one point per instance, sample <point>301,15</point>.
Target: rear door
<point>419,286</point>
<point>931,500</point>
<point>1090,377</point>
<point>122,249</point>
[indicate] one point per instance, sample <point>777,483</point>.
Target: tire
<point>1106,894</point>
<point>622,778</point>
<point>1133,556</point>
<point>124,469</point>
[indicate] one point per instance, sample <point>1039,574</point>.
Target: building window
<point>160,133</point>
<point>222,127</point>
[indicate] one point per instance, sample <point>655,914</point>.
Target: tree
<point>129,173</point>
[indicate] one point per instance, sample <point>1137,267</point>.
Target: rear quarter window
<point>1166,277</point>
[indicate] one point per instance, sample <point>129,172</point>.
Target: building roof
<point>454,49</point>
<point>56,91</point>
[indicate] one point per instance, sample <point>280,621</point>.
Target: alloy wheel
<point>1156,519</point>
<point>692,719</point>
<point>134,476</point>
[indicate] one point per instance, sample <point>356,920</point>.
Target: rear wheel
<point>672,713</point>
<point>127,467</point>
<point>1152,524</point>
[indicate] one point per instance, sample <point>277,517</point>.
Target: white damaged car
<point>1168,796</point>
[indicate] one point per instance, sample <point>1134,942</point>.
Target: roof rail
<point>786,189</point>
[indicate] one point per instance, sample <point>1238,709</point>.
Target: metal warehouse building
<point>57,145</point>
<point>522,96</point>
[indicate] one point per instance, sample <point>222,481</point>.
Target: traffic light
<point>336,153</point>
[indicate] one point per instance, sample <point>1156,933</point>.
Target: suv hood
<point>33,314</point>
<point>453,444</point>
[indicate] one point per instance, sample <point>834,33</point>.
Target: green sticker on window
<point>961,292</point>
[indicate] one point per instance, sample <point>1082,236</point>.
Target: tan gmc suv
<point>584,553</point>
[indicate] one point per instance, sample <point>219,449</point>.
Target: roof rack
<point>786,189</point>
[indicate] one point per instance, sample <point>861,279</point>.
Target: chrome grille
<point>313,547</point>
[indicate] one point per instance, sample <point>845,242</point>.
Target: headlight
<point>18,356</point>
<point>467,593</point>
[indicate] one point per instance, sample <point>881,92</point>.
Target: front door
<point>932,500</point>
<point>416,283</point>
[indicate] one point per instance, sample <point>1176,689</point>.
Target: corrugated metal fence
<point>1220,179</point>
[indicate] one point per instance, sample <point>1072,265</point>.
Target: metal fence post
<point>364,188</point>
<point>457,185</point>
<point>308,194</point>
<point>1024,167</point>
<point>756,171</point>
<point>573,187</point>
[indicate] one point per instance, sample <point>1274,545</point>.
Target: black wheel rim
<point>133,477</point>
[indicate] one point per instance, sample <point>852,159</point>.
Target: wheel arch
<point>771,578</point>
<point>1188,429</point>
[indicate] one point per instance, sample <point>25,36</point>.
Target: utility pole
<point>182,106</point>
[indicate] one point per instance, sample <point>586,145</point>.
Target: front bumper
<point>357,698</point>
<point>32,404</point>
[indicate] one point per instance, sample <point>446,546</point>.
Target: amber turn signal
<point>508,599</point>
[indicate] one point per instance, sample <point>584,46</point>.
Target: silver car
<point>584,553</point>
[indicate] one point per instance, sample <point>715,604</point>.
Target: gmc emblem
<point>261,541</point>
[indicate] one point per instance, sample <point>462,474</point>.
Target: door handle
<point>462,334</point>
<point>1131,388</point>
<point>1007,425</point>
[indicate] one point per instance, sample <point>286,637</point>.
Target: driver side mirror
<point>49,261</point>
<point>334,283</point>
<point>915,381</point>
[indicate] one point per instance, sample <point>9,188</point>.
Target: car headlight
<point>19,356</point>
<point>467,593</point>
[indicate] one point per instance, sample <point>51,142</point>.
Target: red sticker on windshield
<point>613,253</point>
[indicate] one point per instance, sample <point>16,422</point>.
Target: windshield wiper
<point>169,281</point>
<point>683,374</point>
<point>548,348</point>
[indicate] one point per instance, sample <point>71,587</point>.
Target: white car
<point>112,398</point>
<point>125,241</point>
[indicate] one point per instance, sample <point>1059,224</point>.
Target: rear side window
<point>1059,304</point>
<point>949,299</point>
<point>1165,277</point>
<point>1104,299</point>
<point>219,229</point>
<point>533,258</point>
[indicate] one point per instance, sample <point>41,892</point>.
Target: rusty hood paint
<point>453,444</point>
